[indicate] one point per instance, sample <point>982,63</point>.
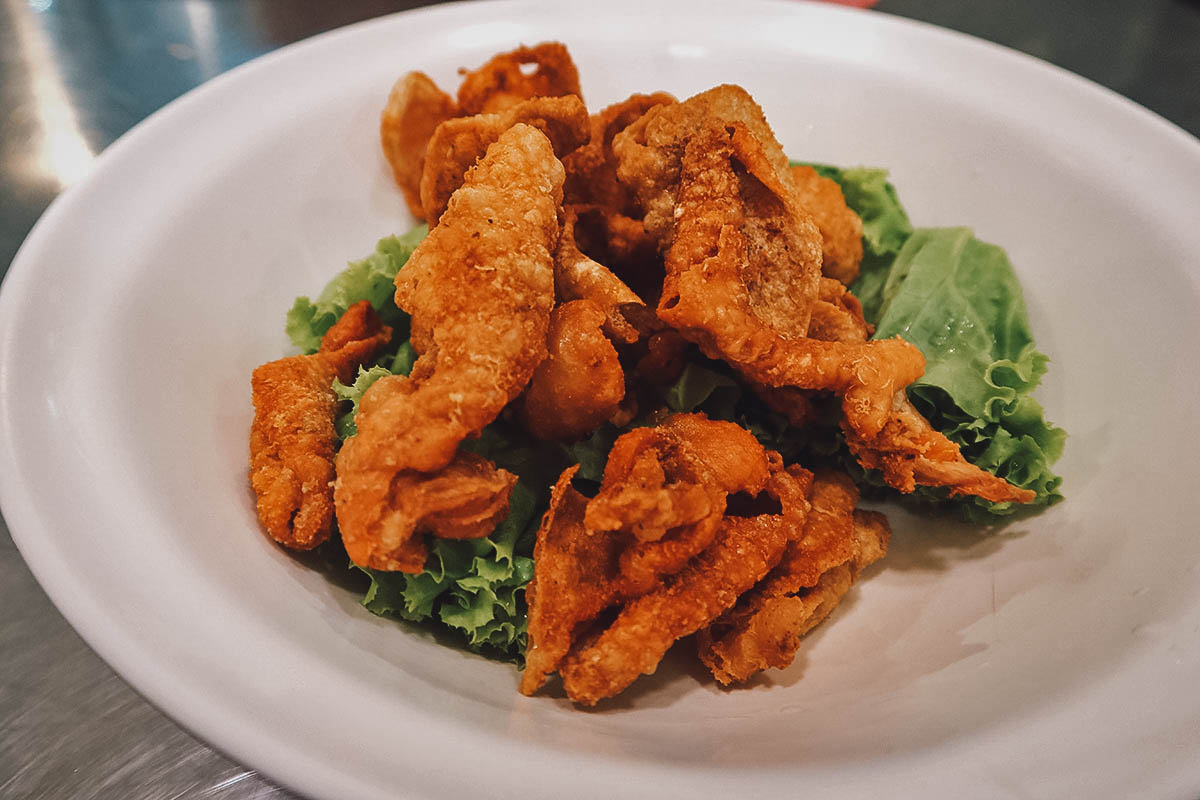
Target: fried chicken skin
<point>502,82</point>
<point>667,487</point>
<point>580,384</point>
<point>690,514</point>
<point>841,228</point>
<point>480,289</point>
<point>742,299</point>
<point>466,499</point>
<point>592,168</point>
<point>414,110</point>
<point>457,144</point>
<point>416,107</point>
<point>906,450</point>
<point>576,574</point>
<point>579,277</point>
<point>292,437</point>
<point>732,287</point>
<point>650,150</point>
<point>744,550</point>
<point>625,249</point>
<point>837,316</point>
<point>818,567</point>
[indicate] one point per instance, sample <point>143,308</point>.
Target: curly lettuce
<point>372,279</point>
<point>476,586</point>
<point>959,301</point>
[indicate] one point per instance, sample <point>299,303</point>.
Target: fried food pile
<point>575,264</point>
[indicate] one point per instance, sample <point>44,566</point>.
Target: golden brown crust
<point>841,228</point>
<point>458,144</point>
<point>466,499</point>
<point>479,288</point>
<point>649,151</point>
<point>660,539</point>
<point>292,437</point>
<point>592,168</point>
<point>639,637</point>
<point>908,451</point>
<point>837,316</point>
<point>667,485</point>
<point>501,82</point>
<point>576,572</point>
<point>580,384</point>
<point>579,277</point>
<point>759,325</point>
<point>818,567</point>
<point>743,281</point>
<point>415,108</point>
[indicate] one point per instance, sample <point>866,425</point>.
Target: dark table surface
<point>76,74</point>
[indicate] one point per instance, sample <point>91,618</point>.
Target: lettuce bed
<point>954,297</point>
<point>958,300</point>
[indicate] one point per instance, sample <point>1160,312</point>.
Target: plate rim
<point>20,510</point>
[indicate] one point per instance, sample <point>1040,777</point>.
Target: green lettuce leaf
<point>958,300</point>
<point>476,587</point>
<point>472,586</point>
<point>344,425</point>
<point>372,279</point>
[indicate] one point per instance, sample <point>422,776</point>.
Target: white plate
<point>1058,657</point>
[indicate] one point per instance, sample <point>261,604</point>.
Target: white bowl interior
<point>148,295</point>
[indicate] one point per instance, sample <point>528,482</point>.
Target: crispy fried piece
<point>480,288</point>
<point>457,144</point>
<point>501,82</point>
<point>581,383</point>
<point>744,550</point>
<point>909,451</point>
<point>841,228</point>
<point>415,108</point>
<point>746,291</point>
<point>581,571</point>
<point>592,169</point>
<point>650,150</point>
<point>353,340</point>
<point>667,486</point>
<point>837,316</point>
<point>465,499</point>
<point>737,296</point>
<point>578,277</point>
<point>292,438</point>
<point>663,361</point>
<point>744,256</point>
<point>639,496</point>
<point>728,188</point>
<point>622,245</point>
<point>575,578</point>
<point>817,569</point>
